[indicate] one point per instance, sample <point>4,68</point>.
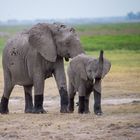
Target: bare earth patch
<point>58,126</point>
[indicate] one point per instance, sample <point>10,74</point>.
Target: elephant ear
<point>78,66</point>
<point>40,37</point>
<point>106,67</point>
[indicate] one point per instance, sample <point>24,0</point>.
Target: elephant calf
<point>85,74</point>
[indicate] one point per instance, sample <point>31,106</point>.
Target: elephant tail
<point>100,65</point>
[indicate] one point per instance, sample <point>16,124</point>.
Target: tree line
<point>132,15</point>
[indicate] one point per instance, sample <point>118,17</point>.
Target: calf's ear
<point>106,67</point>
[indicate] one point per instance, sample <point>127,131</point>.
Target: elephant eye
<point>72,30</point>
<point>67,42</point>
<point>89,71</point>
<point>62,26</point>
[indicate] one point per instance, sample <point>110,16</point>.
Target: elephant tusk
<point>93,81</point>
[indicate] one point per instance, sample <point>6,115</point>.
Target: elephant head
<point>98,68</point>
<point>52,40</point>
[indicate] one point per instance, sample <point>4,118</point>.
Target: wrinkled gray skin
<point>34,55</point>
<point>85,74</point>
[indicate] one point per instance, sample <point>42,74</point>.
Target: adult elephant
<point>34,55</point>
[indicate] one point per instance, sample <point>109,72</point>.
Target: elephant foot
<point>87,112</point>
<point>4,106</point>
<point>80,112</point>
<point>86,106</point>
<point>28,103</point>
<point>64,109</point>
<point>39,111</point>
<point>71,110</point>
<point>64,100</point>
<point>38,108</point>
<point>29,110</point>
<point>4,111</point>
<point>71,105</point>
<point>98,112</point>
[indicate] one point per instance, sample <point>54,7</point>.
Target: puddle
<point>47,102</point>
<point>50,102</point>
<point>120,101</point>
<point>16,101</point>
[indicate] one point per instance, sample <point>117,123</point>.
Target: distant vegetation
<point>133,15</point>
<point>122,36</point>
<point>129,17</point>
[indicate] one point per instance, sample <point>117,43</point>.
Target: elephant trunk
<point>100,65</point>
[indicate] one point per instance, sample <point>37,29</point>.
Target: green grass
<point>111,42</point>
<point>13,29</point>
<point>2,43</point>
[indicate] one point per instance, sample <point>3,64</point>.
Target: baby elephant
<point>85,75</point>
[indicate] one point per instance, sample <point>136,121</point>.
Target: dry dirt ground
<point>120,121</point>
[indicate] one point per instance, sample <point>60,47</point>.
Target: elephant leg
<point>82,93</point>
<point>87,104</point>
<point>38,104</point>
<point>28,99</point>
<point>71,98</point>
<point>88,92</point>
<point>81,108</point>
<point>59,74</point>
<point>63,100</point>
<point>71,105</point>
<point>97,103</point>
<point>8,87</point>
<point>39,97</point>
